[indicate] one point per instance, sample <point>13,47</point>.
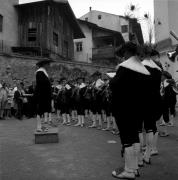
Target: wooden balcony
<point>103,52</point>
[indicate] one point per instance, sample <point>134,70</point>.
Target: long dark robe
<point>154,99</point>
<point>128,98</point>
<point>43,94</point>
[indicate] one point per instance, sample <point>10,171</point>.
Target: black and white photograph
<point>88,89</point>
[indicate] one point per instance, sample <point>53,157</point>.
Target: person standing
<point>42,93</point>
<point>18,100</point>
<point>3,99</point>
<point>154,109</point>
<point>128,90</point>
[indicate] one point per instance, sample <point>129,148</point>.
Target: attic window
<point>1,23</point>
<point>99,16</point>
<point>124,29</point>
<point>86,19</point>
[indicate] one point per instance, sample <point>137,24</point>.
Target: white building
<point>112,26</point>
<point>166,20</point>
<point>108,21</point>
<point>8,25</point>
<point>98,45</point>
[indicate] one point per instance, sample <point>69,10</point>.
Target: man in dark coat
<point>128,91</point>
<point>43,94</point>
<point>154,109</point>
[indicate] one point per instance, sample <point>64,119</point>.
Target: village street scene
<point>88,89</point>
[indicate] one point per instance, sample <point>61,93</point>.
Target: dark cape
<point>42,94</point>
<point>128,89</point>
<point>154,99</point>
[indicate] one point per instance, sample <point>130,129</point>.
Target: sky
<point>118,7</point>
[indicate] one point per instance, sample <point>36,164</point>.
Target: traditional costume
<point>128,87</point>
<point>43,93</point>
<point>153,110</point>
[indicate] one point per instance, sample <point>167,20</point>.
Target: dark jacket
<point>128,89</point>
<point>154,99</point>
<point>43,94</point>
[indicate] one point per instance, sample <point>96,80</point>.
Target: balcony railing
<point>103,52</point>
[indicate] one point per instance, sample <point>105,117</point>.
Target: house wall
<point>165,11</point>
<point>48,19</point>
<point>161,15</point>
<point>9,36</point>
<point>173,18</point>
<point>115,21</point>
<point>58,23</point>
<point>33,16</point>
<point>123,21</point>
<point>23,68</point>
<point>86,54</point>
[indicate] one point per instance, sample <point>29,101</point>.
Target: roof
<point>104,13</point>
<point>78,33</point>
<point>164,44</point>
<point>95,26</point>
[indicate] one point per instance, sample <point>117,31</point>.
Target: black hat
<point>61,79</point>
<point>147,49</point>
<point>43,62</point>
<point>128,46</point>
<point>97,73</point>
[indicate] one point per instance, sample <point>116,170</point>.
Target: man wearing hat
<point>128,89</point>
<point>43,94</point>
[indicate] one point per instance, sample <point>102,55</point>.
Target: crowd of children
<point>80,102</point>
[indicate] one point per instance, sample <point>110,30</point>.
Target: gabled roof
<point>104,13</point>
<point>68,13</point>
<point>95,26</point>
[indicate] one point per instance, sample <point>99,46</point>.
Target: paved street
<point>81,154</point>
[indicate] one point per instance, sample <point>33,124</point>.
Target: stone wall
<point>23,68</point>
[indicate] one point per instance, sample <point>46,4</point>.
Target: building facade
<point>125,26</point>
<point>8,25</point>
<point>98,46</point>
<point>47,28</point>
<point>166,20</point>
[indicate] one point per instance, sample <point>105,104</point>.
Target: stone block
<point>47,137</point>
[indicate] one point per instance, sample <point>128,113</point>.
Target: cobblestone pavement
<point>81,154</point>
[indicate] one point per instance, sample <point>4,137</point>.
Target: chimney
<point>90,8</point>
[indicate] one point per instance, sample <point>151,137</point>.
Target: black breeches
<point>172,109</point>
<point>166,112</point>
<point>128,131</point>
<point>149,125</point>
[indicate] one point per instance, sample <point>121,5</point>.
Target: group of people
<point>77,102</point>
<point>138,102</point>
<point>16,100</point>
<point>130,103</point>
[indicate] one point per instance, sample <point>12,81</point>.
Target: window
<point>32,34</point>
<point>86,19</point>
<point>79,47</point>
<point>124,28</point>
<point>55,39</point>
<point>99,16</point>
<point>1,23</point>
